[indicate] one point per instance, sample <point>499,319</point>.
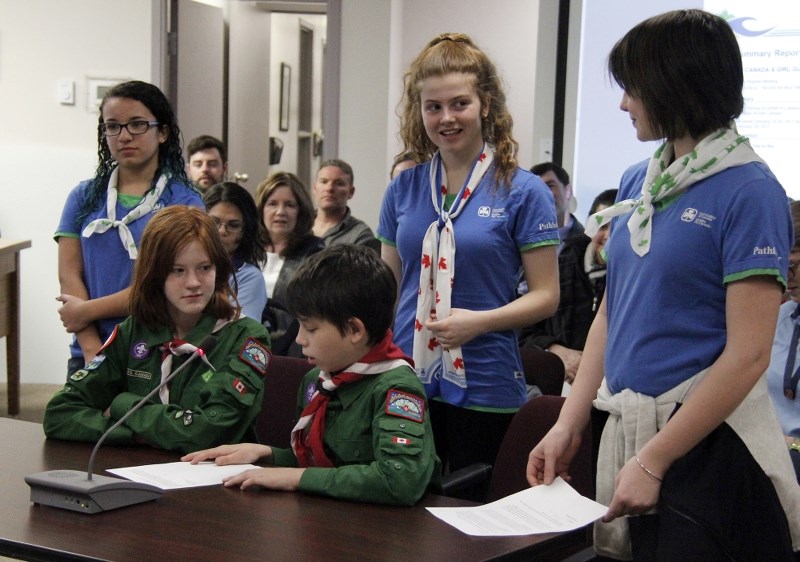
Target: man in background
<point>333,188</point>
<point>557,179</point>
<point>206,161</point>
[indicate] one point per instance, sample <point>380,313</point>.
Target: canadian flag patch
<point>239,386</point>
<point>401,440</point>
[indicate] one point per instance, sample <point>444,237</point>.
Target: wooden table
<point>9,314</point>
<point>214,523</point>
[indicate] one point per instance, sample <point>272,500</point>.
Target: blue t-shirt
<point>251,290</point>
<point>788,410</point>
<point>490,232</point>
<point>107,267</point>
<point>666,310</point>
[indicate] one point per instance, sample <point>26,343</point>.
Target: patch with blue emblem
<point>255,354</point>
<point>404,405</point>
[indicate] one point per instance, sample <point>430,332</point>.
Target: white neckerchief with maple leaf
<point>437,272</point>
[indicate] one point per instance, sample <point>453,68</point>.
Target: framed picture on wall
<point>286,78</point>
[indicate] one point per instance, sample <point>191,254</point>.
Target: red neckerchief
<point>308,445</point>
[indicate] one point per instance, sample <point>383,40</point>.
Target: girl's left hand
<point>635,492</point>
<point>457,329</point>
<point>272,478</point>
<point>71,313</point>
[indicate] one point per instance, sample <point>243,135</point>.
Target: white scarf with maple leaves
<point>437,273</point>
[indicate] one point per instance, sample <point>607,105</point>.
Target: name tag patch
<point>140,374</point>
<point>404,405</point>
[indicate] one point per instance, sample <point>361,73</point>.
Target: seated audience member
<point>207,161</point>
<point>582,271</point>
<point>233,209</point>
<point>180,295</point>
<point>334,222</point>
<point>557,179</point>
<point>364,432</point>
<point>285,229</point>
<point>783,374</point>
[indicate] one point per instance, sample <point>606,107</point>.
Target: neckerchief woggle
<point>147,205</point>
<point>308,433</point>
<point>725,148</point>
<point>177,346</point>
<point>437,272</point>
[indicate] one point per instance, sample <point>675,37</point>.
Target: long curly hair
<point>170,152</point>
<point>450,53</point>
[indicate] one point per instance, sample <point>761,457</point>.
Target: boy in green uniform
<point>363,432</point>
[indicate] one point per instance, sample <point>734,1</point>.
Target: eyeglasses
<point>230,226</point>
<point>133,127</point>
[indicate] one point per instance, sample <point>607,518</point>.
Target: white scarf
<point>437,273</point>
<point>723,149</point>
<point>147,205</point>
<point>177,346</point>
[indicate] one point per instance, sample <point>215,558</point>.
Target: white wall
<point>46,148</point>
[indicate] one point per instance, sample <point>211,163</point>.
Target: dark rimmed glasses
<point>138,127</point>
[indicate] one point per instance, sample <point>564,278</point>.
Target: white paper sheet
<point>174,475</point>
<point>542,509</point>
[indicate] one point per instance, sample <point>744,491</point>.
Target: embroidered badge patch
<point>93,364</point>
<point>310,390</point>
<point>206,376</point>
<point>239,386</point>
<point>255,354</point>
<point>139,350</point>
<point>401,440</point>
<point>79,375</point>
<point>404,405</point>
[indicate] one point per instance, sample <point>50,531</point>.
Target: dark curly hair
<point>170,152</point>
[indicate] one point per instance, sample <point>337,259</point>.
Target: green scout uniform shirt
<point>379,456</point>
<point>206,408</point>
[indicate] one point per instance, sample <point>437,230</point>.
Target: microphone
<point>80,491</point>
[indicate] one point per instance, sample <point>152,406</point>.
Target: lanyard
<point>790,379</point>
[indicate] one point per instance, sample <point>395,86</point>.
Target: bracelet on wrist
<point>795,445</point>
<point>647,470</point>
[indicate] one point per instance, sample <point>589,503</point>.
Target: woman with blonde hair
<point>456,229</point>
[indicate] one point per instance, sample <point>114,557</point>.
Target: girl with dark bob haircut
<point>697,265</point>
<point>234,211</point>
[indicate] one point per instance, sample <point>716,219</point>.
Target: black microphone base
<point>72,489</point>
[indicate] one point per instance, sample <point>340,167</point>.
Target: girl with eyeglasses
<point>234,212</point>
<point>140,171</point>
